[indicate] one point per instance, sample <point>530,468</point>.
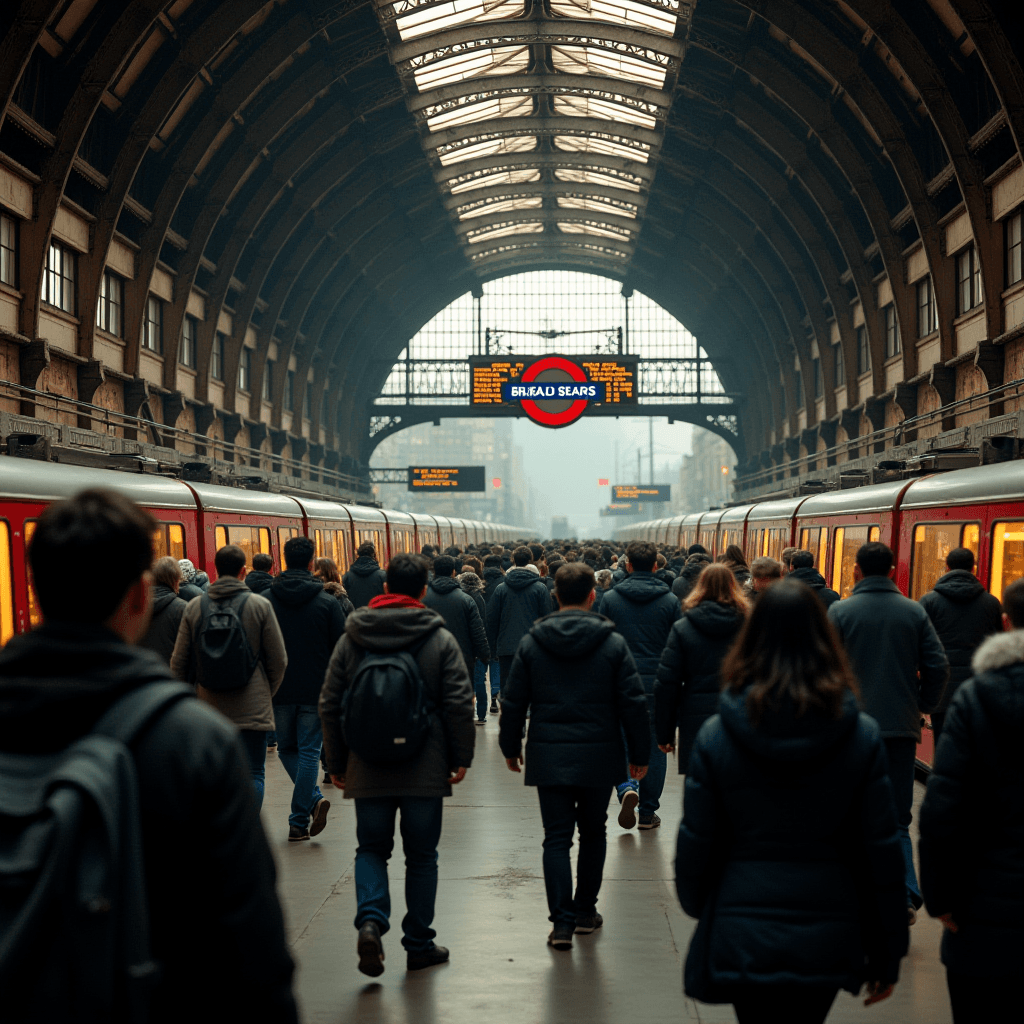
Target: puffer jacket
<point>687,578</point>
<point>689,676</point>
<point>474,586</point>
<point>514,607</point>
<point>461,618</point>
<point>789,853</point>
<point>963,613</point>
<point>163,627</point>
<point>972,818</point>
<point>576,677</point>
<point>364,581</point>
<point>259,582</point>
<point>449,744</point>
<point>816,582</point>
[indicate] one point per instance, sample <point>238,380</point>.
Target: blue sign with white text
<point>516,391</point>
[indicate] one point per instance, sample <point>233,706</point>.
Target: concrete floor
<point>492,914</point>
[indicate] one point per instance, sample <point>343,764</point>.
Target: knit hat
<point>188,570</point>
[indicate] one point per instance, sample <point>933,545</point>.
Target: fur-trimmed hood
<point>999,651</point>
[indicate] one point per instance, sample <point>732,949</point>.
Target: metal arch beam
<point>538,190</point>
<point>564,159</point>
<point>547,216</point>
<point>388,10</point>
<point>536,242</point>
<point>18,43</point>
<point>557,124</point>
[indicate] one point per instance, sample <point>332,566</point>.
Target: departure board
<point>642,492</point>
<point>488,375</point>
<point>446,478</point>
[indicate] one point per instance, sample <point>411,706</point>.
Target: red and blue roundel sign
<point>554,391</point>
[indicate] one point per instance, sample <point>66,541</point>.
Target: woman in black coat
<point>788,850</point>
<point>689,681</point>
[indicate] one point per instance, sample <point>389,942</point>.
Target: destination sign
<point>489,374</point>
<point>446,478</point>
<point>621,508</point>
<point>590,392</point>
<point>642,492</point>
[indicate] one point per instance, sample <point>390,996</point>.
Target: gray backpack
<point>74,930</point>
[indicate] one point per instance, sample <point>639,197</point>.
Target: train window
<point>932,542</point>
<point>815,540</point>
<point>169,540</point>
<point>874,534</point>
<point>252,540</point>
<point>848,540</point>
<point>1007,556</point>
<point>34,615</point>
<point>371,537</point>
<point>6,584</point>
<point>285,534</point>
<point>318,544</point>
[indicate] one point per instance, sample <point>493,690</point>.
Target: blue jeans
<point>255,744</point>
<point>901,752</point>
<point>495,669</point>
<point>299,737</point>
<point>480,688</point>
<point>653,783</point>
<point>421,832</point>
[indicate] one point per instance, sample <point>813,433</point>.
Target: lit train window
<point>169,539</point>
<point>251,539</point>
<point>34,615</point>
<point>284,534</point>
<point>6,584</point>
<point>815,540</point>
<point>1007,556</point>
<point>372,537</point>
<point>847,540</point>
<point>932,542</point>
<point>318,544</point>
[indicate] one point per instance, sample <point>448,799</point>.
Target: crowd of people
<point>794,717</point>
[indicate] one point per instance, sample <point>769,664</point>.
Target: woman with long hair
<point>689,681</point>
<point>326,570</point>
<point>736,561</point>
<point>788,850</point>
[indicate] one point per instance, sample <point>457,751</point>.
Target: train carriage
<point>329,525</point>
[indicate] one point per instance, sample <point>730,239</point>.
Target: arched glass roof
<point>542,119</point>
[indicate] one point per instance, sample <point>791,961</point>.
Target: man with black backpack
<point>231,649</point>
<point>137,881</point>
<point>397,714</point>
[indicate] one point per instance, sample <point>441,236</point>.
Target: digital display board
<point>621,508</point>
<point>490,374</point>
<point>446,478</point>
<point>641,492</point>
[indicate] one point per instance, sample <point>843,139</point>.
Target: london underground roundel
<point>554,391</point>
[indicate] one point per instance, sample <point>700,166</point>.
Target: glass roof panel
<point>596,204</point>
<point>591,106</point>
<point>585,60</point>
<point>487,147</point>
<point>479,208</point>
<point>573,227</point>
<point>421,20</point>
<point>498,60</point>
<point>501,230</point>
<point>596,178</point>
<point>661,19</point>
<point>607,147</point>
<point>499,106</point>
<point>496,178</point>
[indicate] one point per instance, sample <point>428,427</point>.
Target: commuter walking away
<point>492,577</point>
<point>365,580</point>
<point>154,810</point>
<point>260,579</point>
<point>764,571</point>
<point>312,623</point>
<point>462,619</point>
<point>168,609</point>
<point>603,582</point>
<point>326,570</point>
<point>397,674</point>
<point>189,587</point>
<point>901,669</point>
<point>472,584</point>
<point>963,613</point>
<point>972,829</point>
<point>689,677</point>
<point>802,568</point>
<point>230,648</point>
<point>787,560</point>
<point>789,852</point>
<point>575,676</point>
<point>643,611</point>
<point>516,604</point>
<point>734,560</point>
<point>684,583</point>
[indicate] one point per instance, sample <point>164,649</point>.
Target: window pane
<point>932,543</point>
<point>844,557</point>
<point>285,534</point>
<point>245,537</point>
<point>874,533</point>
<point>159,542</point>
<point>34,615</point>
<point>970,539</point>
<point>1007,556</point>
<point>264,541</point>
<point>6,585</point>
<point>318,544</point>
<point>220,536</point>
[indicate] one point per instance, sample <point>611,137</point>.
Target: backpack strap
<point>130,714</point>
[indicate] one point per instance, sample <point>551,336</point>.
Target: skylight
<point>660,18</point>
<point>501,230</point>
<point>593,228</point>
<point>471,149</point>
<point>499,205</point>
<point>630,182</point>
<point>501,60</point>
<point>504,106</point>
<point>606,146</point>
<point>486,179</point>
<point>597,205</point>
<point>586,60</point>
<point>424,18</point>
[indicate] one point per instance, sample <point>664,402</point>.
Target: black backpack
<point>385,712</point>
<point>224,659</point>
<point>74,929</point>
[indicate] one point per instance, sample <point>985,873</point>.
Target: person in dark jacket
<point>972,829</point>
<point>326,570</point>
<point>575,676</point>
<point>189,587</point>
<point>643,611</point>
<point>687,578</point>
<point>764,572</point>
<point>394,622</point>
<point>514,606</point>
<point>963,613</point>
<point>802,569</point>
<point>493,576</point>
<point>312,623</point>
<point>902,669</point>
<point>259,579</point>
<point>663,573</point>
<point>689,677</point>
<point>208,872</point>
<point>735,560</point>
<point>788,850</point>
<point>365,580</point>
<point>471,583</point>
<point>167,609</point>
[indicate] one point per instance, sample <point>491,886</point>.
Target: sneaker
<point>481,721</point>
<point>588,923</point>
<point>296,835</point>
<point>627,812</point>
<point>370,950</point>
<point>494,705</point>
<point>649,821</point>
<point>561,936</point>
<point>911,915</point>
<point>327,780</point>
<point>428,958</point>
<point>318,819</point>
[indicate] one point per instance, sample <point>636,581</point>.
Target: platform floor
<point>491,913</point>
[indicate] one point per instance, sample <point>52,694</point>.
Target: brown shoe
<point>318,819</point>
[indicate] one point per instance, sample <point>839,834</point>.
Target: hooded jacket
<point>449,744</point>
<point>789,853</point>
<point>689,676</point>
<point>687,578</point>
<point>972,818</point>
<point>493,576</point>
<point>205,855</point>
<point>889,639</point>
<point>576,677</point>
<point>816,582</point>
<point>666,575</point>
<point>249,707</point>
<point>474,586</point>
<point>364,581</point>
<point>168,609</point>
<point>312,622</point>
<point>461,618</point>
<point>337,591</point>
<point>643,610</point>
<point>963,613</point>
<point>514,607</point>
<point>259,582</point>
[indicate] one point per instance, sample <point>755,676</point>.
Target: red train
<point>197,519</point>
<point>920,519</point>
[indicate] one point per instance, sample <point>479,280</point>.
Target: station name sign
<point>446,478</point>
<point>642,492</point>
<point>589,392</point>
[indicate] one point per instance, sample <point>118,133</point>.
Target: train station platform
<point>491,913</point>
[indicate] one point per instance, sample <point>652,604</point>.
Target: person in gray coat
<point>397,621</point>
<point>902,669</point>
<point>168,609</point>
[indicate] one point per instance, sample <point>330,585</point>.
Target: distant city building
<point>560,528</point>
<point>705,476</point>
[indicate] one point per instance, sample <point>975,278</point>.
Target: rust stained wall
<point>970,381</point>
<point>1013,369</point>
<point>61,378</point>
<point>9,370</point>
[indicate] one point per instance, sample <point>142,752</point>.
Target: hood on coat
<point>443,584</point>
<point>365,566</point>
<point>493,573</point>
<point>695,566</point>
<point>959,586</point>
<point>201,580</point>
<point>642,587</point>
<point>470,583</point>
<point>296,587</point>
<point>530,567</point>
<point>810,576</point>
<point>391,629</point>
<point>520,579</point>
<point>162,597</point>
<point>999,651</point>
<point>715,620</point>
<point>572,634</point>
<point>783,735</point>
<point>226,586</point>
